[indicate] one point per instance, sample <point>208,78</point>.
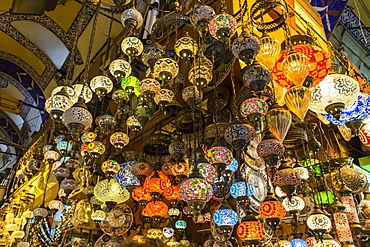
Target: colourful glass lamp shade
<point>88,137</point>
<point>319,65</point>
<point>294,204</point>
<point>110,167</point>
<point>141,169</point>
<point>219,154</point>
<point>180,224</point>
<point>287,176</point>
<point>312,164</point>
<point>272,210</point>
<point>298,242</point>
<point>166,69</point>
<point>196,189</point>
<point>157,182</point>
<point>253,105</point>
<point>155,208</point>
<point>202,13</point>
<point>245,47</point>
<point>95,147</point>
<point>238,135</point>
<point>119,139</point>
<point>270,147</point>
<point>241,189</point>
<point>64,146</point>
<point>149,85</point>
<point>133,123</point>
<point>251,230</point>
<point>132,46</point>
<point>140,194</point>
<point>124,176</point>
<point>186,47</point>
<point>208,172</point>
<point>360,109</point>
<point>233,166</point>
<point>172,193</point>
<point>131,85</point>
<point>222,26</point>
<point>324,197</point>
<point>225,217</point>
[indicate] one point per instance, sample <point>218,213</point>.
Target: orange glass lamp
<point>172,193</point>
<point>251,231</point>
<point>156,183</point>
<point>272,210</point>
<point>141,195</point>
<point>157,210</point>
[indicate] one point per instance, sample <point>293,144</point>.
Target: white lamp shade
<point>11,227</point>
<point>27,214</point>
<point>9,217</point>
<point>17,234</point>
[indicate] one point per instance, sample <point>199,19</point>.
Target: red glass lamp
<point>272,210</point>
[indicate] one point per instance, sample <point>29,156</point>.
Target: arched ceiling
<point>33,47</point>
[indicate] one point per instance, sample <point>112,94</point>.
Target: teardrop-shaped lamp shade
<point>278,121</point>
<point>298,100</point>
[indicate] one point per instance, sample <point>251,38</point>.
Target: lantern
<point>225,217</point>
<point>132,46</point>
<point>119,140</point>
<point>200,75</point>
<point>269,51</point>
<point>101,85</point>
<point>239,135</point>
<point>156,183</point>
<point>166,69</point>
<point>120,69</point>
<point>110,168</point>
<point>140,194</point>
<point>200,17</point>
<point>223,26</point>
<point>186,47</point>
<point>132,19</point>
<point>150,87</point>
<point>245,47</point>
<point>251,230</point>
<point>256,77</point>
<point>279,121</point>
<point>155,208</point>
<point>287,178</point>
<point>298,100</point>
<point>219,154</point>
<point>318,222</point>
<point>131,85</point>
<point>272,210</point>
<point>88,137</point>
<point>296,67</point>
<point>172,193</point>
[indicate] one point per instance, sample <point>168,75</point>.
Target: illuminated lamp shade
<point>225,217</point>
<point>298,100</point>
<point>98,215</point>
<point>287,179</point>
<point>318,222</point>
<point>69,184</point>
<point>120,69</point>
<point>101,85</point>
<point>155,208</point>
<point>150,87</point>
<point>57,104</point>
<point>131,85</point>
<point>131,19</point>
<point>279,121</point>
<point>180,224</point>
<point>133,123</point>
<point>329,241</point>
<point>164,97</point>
<point>302,171</point>
<point>167,169</point>
<point>119,140</point>
<point>186,47</point>
<point>256,77</point>
<point>156,183</point>
<point>77,119</point>
<point>298,242</point>
<point>222,26</point>
<point>208,172</point>
<point>177,148</point>
<point>124,177</point>
<point>88,137</point>
<point>66,90</point>
<point>72,163</point>
<point>174,212</point>
<point>64,147</point>
<point>272,210</point>
<point>241,189</point>
<point>233,166</point>
<point>196,189</point>
<point>324,197</point>
<point>311,241</point>
<point>200,17</point>
<point>82,90</point>
<point>318,66</point>
<point>151,54</point>
<point>335,93</point>
<point>165,69</point>
<point>181,168</point>
<point>312,164</point>
<point>110,168</point>
<point>109,190</point>
<point>132,46</point>
<point>294,204</point>
<point>269,51</point>
<point>219,154</point>
<point>172,193</point>
<point>245,47</point>
<point>139,239</point>
<point>200,75</point>
<point>154,233</point>
<point>254,109</point>
<point>191,95</point>
<point>95,148</point>
<point>119,96</point>
<point>296,67</point>
<point>270,148</point>
<point>61,172</point>
<point>106,122</point>
<point>141,169</point>
<point>239,135</point>
<point>51,155</point>
<point>141,194</point>
<point>251,230</point>
<point>55,205</point>
<point>358,110</point>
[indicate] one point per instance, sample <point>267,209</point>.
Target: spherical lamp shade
<point>181,168</point>
<point>233,166</point>
<point>335,89</point>
<point>166,69</point>
<point>219,154</point>
<point>270,147</point>
<point>82,90</point>
<point>95,148</point>
<point>172,193</point>
<point>110,167</point>
<point>279,121</point>
<point>253,105</point>
<point>294,204</point>
<point>120,69</point>
<point>124,177</point>
<point>55,204</point>
<point>131,18</point>
<point>271,209</point>
<point>101,85</point>
<point>303,172</point>
<point>296,67</point>
<point>200,75</point>
<point>319,222</point>
<point>286,176</point>
<point>251,230</point>
<point>225,217</point>
<point>77,116</point>
<point>133,123</point>
<point>154,233</point>
<point>141,194</point>
<point>157,182</point>
<point>64,147</point>
<point>132,46</point>
<point>269,52</point>
<point>208,172</point>
<point>155,208</point>
<point>98,215</point>
<point>119,140</point>
<point>196,189</point>
<point>298,100</point>
<point>358,110</point>
<point>202,14</point>
<point>151,54</point>
<point>58,102</point>
<point>245,47</point>
<point>164,97</point>
<point>222,26</point>
<point>318,66</point>
<point>119,96</point>
<point>149,86</point>
<point>109,190</point>
<point>180,224</point>
<point>88,137</point>
<point>186,47</point>
<point>324,197</point>
<point>51,155</point>
<point>298,242</point>
<point>241,189</point>
<point>239,135</point>
<point>330,242</point>
<point>131,85</point>
<point>191,95</point>
<point>256,77</point>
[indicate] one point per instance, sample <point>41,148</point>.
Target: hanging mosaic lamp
<point>223,26</point>
<point>131,85</point>
<point>318,222</point>
<point>239,135</point>
<point>296,67</point>
<point>256,77</point>
<point>101,85</point>
<point>110,168</point>
<point>272,210</point>
<point>201,16</point>
<point>254,109</point>
<point>286,178</point>
<point>119,140</point>
<point>165,69</point>
<point>245,47</point>
<point>120,69</point>
<point>186,47</point>
<point>132,19</point>
<point>132,46</point>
